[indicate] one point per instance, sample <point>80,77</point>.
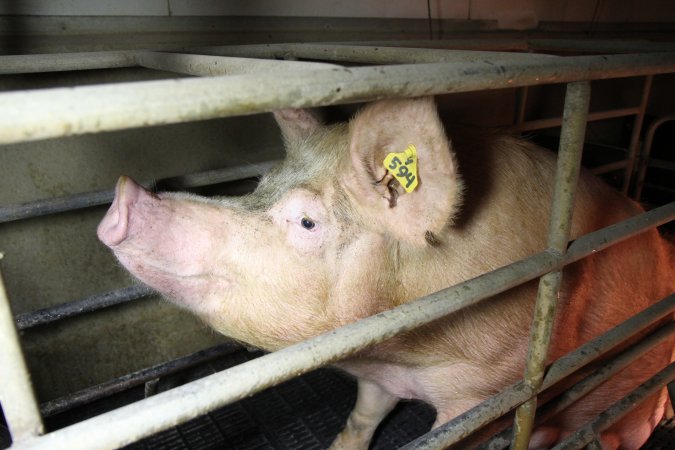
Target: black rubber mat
<point>305,413</point>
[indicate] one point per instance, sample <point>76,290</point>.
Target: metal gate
<point>239,80</point>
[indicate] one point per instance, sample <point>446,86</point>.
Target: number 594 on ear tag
<point>403,166</point>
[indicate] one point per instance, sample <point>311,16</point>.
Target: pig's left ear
<point>296,124</point>
<point>393,126</point>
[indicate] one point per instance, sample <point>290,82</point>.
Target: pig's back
<point>509,185</point>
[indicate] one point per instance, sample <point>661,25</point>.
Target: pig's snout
<point>114,228</point>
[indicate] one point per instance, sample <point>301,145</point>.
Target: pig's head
<point>326,238</point>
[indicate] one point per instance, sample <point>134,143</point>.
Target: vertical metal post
<point>521,105</point>
<point>635,134</point>
<point>567,174</point>
<point>594,445</point>
<point>16,392</point>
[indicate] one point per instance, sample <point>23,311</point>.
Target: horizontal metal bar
<point>57,62</point>
<point>553,122</point>
<point>19,404</point>
<point>646,152</point>
<point>48,113</point>
<point>618,410</point>
<point>611,167</point>
<point>597,347</point>
<point>367,54</point>
<point>500,404</point>
<point>133,379</point>
<point>618,232</point>
<point>143,418</point>
<point>660,188</point>
<point>583,387</point>
<point>661,164</point>
<point>55,205</point>
<point>600,46</point>
<point>135,421</point>
<point>501,44</point>
<point>89,304</point>
<point>205,65</point>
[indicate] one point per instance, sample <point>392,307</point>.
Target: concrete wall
<point>625,11</point>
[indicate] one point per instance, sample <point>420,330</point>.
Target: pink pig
<point>330,237</point>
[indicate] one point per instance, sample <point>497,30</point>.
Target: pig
<point>332,235</point>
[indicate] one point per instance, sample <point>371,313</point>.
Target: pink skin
<point>200,254</point>
<point>321,244</point>
<point>139,224</point>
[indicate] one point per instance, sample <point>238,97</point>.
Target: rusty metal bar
<point>600,46</point>
<point>16,391</point>
<point>634,143</point>
<point>611,167</point>
<point>498,405</point>
<point>75,308</point>
<point>553,122</point>
<point>132,422</point>
<point>594,445</point>
<point>368,54</point>
<point>615,412</point>
<point>572,135</point>
<point>48,113</point>
<point>646,152</point>
<point>133,379</point>
<point>55,205</point>
<point>608,370</point>
<point>521,106</point>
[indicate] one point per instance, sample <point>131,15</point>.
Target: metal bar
<point>600,46</point>
<point>89,304</point>
<point>40,114</point>
<point>463,425</point>
<point>594,445</point>
<point>55,205</point>
<point>205,65</point>
<point>618,410</point>
<point>608,370</point>
<point>646,152</point>
<point>636,133</point>
<point>611,167</point>
<point>592,117</point>
<point>613,234</point>
<point>660,188</point>
<point>500,44</point>
<point>498,405</point>
<point>133,422</point>
<point>662,164</point>
<point>572,135</point>
<point>365,54</point>
<point>19,404</point>
<point>521,106</point>
<point>57,62</point>
<point>133,379</point>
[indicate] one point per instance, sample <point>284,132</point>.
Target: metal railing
<point>39,114</point>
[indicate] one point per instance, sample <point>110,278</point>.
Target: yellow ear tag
<point>403,166</point>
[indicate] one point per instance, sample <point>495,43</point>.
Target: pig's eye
<point>307,223</point>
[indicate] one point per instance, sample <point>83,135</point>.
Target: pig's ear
<point>296,124</point>
<point>392,126</point>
